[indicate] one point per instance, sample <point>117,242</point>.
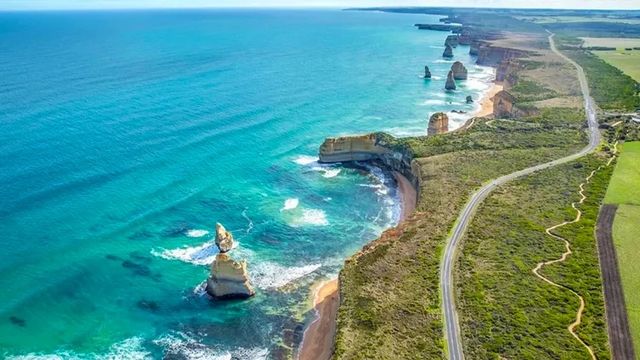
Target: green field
<point>576,19</point>
<point>624,190</point>
<point>618,43</point>
<point>625,184</point>
<point>627,242</point>
<point>628,61</point>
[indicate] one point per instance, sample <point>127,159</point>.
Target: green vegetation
<point>625,237</point>
<point>507,312</point>
<point>391,302</point>
<point>624,190</point>
<point>625,184</point>
<point>615,42</point>
<point>527,91</point>
<point>610,87</point>
<point>627,61</point>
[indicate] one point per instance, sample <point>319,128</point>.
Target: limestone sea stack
<point>438,124</point>
<point>427,72</point>
<point>469,99</point>
<point>451,40</point>
<point>450,84</point>
<point>459,71</point>
<point>229,279</point>
<point>448,51</point>
<point>224,239</point>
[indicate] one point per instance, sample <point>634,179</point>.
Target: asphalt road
<point>452,327</point>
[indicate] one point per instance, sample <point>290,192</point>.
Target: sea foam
<point>269,275</point>
<point>290,204</point>
<point>196,233</point>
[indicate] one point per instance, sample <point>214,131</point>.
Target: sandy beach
<point>486,102</point>
<point>318,338</point>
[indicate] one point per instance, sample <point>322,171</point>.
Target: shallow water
<point>124,137</point>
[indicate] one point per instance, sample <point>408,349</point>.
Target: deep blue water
<point>125,136</point>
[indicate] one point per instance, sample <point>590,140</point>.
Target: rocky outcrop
<point>438,124</point>
<point>427,72</point>
<point>451,40</point>
<point>448,51</point>
<point>450,84</point>
<point>224,239</point>
<point>459,71</point>
<point>491,55</point>
<point>474,48</point>
<point>504,107</point>
<point>379,148</point>
<point>229,278</point>
<point>469,99</point>
<point>438,27</point>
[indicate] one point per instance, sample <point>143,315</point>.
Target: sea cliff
<point>380,148</point>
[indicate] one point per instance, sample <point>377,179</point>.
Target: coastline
<point>486,101</point>
<point>318,338</point>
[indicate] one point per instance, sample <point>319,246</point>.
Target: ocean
<point>126,135</point>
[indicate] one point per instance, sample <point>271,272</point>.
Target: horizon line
<point>316,7</point>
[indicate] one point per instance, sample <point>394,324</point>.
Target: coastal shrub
<point>505,310</point>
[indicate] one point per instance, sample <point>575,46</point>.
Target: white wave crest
<point>314,217</point>
<point>186,347</point>
<point>198,255</point>
<point>196,233</point>
<point>290,204</point>
<point>269,275</point>
<point>305,159</point>
<point>130,349</point>
<point>329,173</point>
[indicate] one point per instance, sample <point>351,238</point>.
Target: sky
<point>125,4</point>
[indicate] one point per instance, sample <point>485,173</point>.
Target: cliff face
<point>492,56</point>
<point>438,124</point>
<point>378,148</point>
<point>459,71</point>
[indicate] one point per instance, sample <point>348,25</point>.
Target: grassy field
<point>505,311</point>
<point>572,19</point>
<point>624,189</point>
<point>610,87</point>
<point>627,242</point>
<point>625,184</point>
<point>628,61</point>
<point>618,43</point>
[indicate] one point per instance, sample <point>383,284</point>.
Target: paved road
<point>454,342</point>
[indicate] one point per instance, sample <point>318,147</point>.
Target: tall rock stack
<point>427,72</point>
<point>229,279</point>
<point>459,71</point>
<point>450,84</point>
<point>451,40</point>
<point>448,51</point>
<point>438,124</point>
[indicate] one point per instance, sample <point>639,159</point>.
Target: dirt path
<point>571,328</point>
<point>564,256</point>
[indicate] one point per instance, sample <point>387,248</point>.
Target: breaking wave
<point>196,233</point>
<point>290,204</point>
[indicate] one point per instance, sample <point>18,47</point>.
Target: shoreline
<point>318,340</point>
<point>486,101</point>
<point>319,337</point>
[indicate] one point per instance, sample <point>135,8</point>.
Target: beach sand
<point>486,102</point>
<point>317,341</point>
<point>318,338</point>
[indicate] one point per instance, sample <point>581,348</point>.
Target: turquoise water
<point>124,137</point>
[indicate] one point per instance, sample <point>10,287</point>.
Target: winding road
<point>452,327</point>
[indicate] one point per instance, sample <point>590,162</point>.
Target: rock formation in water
<point>224,239</point>
<point>451,40</point>
<point>474,48</point>
<point>427,72</point>
<point>450,84</point>
<point>229,278</point>
<point>469,99</point>
<point>448,51</point>
<point>459,71</point>
<point>438,124</point>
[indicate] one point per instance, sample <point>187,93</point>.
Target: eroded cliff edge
<point>379,148</point>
